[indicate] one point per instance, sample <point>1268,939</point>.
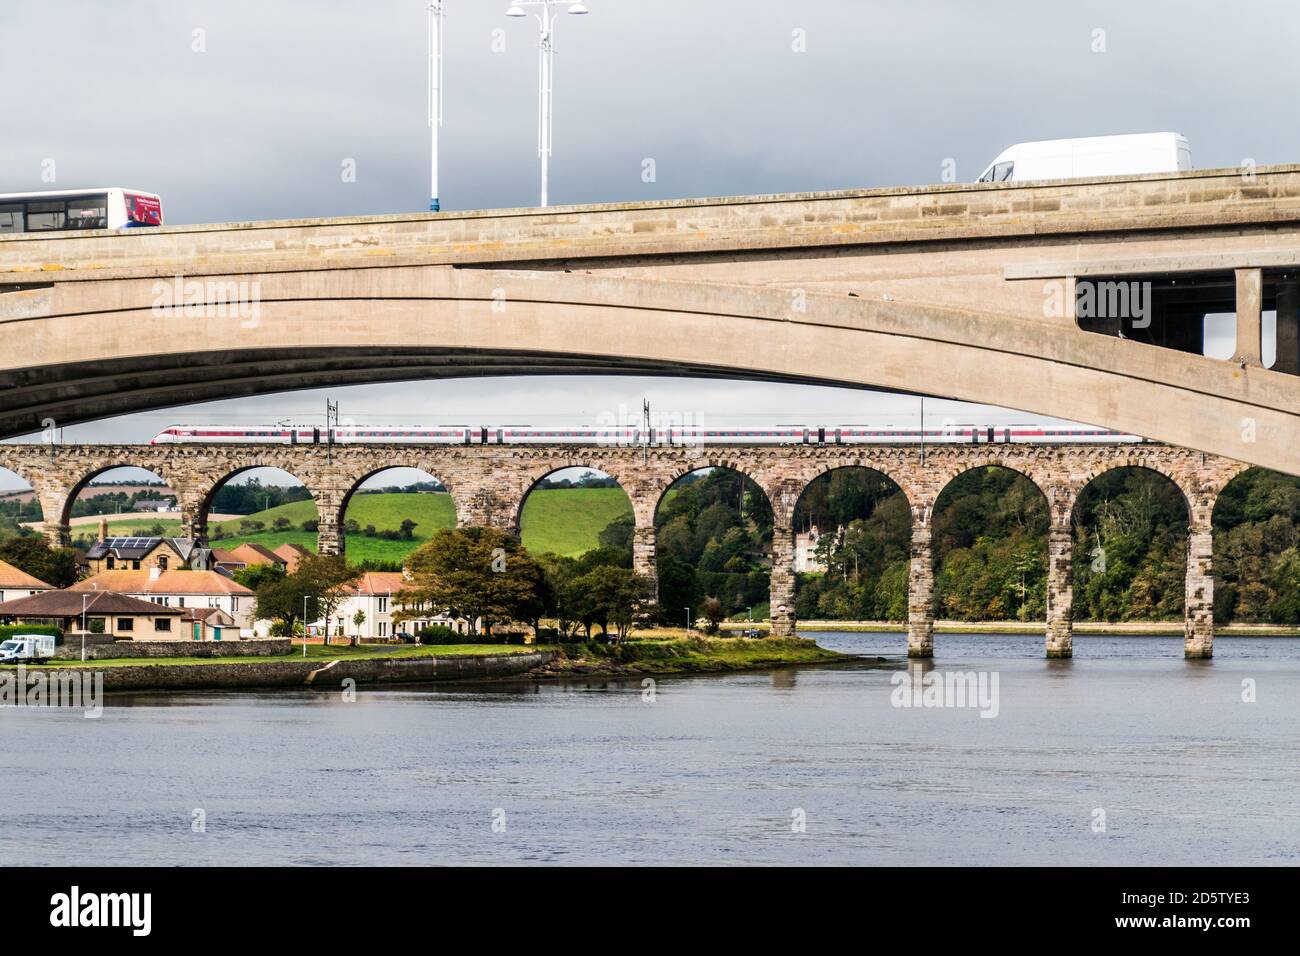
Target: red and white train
<point>685,435</point>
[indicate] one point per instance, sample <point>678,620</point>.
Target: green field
<point>569,520</point>
<point>564,521</point>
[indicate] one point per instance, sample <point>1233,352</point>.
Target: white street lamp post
<point>305,598</point>
<point>545,76</point>
<point>435,96</point>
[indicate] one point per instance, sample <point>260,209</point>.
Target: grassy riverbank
<point>637,656</point>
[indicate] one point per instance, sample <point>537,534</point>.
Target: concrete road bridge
<point>1082,299</point>
<point>488,485</point>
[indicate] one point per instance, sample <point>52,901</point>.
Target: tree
<point>714,614</point>
<point>328,578</point>
<point>357,620</point>
<point>477,574</point>
<point>54,566</point>
<point>281,524</point>
<point>608,595</point>
<point>320,585</point>
<point>407,529</point>
<point>251,576</point>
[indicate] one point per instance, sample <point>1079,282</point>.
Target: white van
<point>27,647</point>
<point>1092,156</point>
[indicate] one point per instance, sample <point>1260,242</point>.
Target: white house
<point>16,583</point>
<point>372,595</point>
<point>182,590</point>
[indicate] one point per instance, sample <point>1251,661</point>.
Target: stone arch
<point>781,575</point>
<point>1250,582</point>
<point>826,473</point>
<point>219,480</point>
<point>354,484</point>
<point>532,482</point>
<point>88,477</point>
<point>1013,465</point>
<point>1198,594</point>
<point>11,482</point>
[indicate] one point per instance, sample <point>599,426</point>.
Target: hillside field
<point>563,521</point>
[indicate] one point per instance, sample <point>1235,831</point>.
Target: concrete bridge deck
<point>960,291</point>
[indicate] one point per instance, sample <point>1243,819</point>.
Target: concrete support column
<point>1060,591</point>
<point>1250,322</point>
<point>643,558</point>
<point>1198,627</point>
<point>782,581</point>
<point>1288,329</point>
<point>920,593</point>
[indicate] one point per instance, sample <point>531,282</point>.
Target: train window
<point>1002,172</point>
<point>45,216</point>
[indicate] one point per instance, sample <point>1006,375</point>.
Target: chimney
<point>155,573</point>
<point>103,528</point>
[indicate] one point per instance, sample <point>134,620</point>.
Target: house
<point>153,504</point>
<point>291,554</point>
<point>123,617</point>
<point>372,594</point>
<point>16,583</point>
<point>208,624</point>
<point>182,590</point>
<point>141,553</point>
<point>243,556</point>
<point>805,551</point>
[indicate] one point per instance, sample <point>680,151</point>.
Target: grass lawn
<point>561,520</point>
<point>319,653</point>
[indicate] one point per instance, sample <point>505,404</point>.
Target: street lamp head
<point>516,11</point>
<point>578,9</point>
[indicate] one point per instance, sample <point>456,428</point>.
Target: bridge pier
<point>54,501</point>
<point>1198,632</point>
<point>1288,329</point>
<point>1060,592</point>
<point>920,592</point>
<point>643,558</point>
<point>781,592</point>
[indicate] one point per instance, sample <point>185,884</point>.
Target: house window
<point>180,602</point>
<point>234,603</point>
<point>162,624</point>
<point>383,628</point>
<point>214,602</point>
<point>109,562</point>
<point>383,605</point>
<point>162,562</point>
<point>135,565</point>
<point>126,623</point>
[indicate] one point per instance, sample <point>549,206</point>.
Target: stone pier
<point>1060,591</point>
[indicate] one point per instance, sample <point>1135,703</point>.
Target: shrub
<point>311,524</point>
<point>9,630</point>
<point>440,634</point>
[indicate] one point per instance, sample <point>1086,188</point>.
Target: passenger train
<point>688,435</point>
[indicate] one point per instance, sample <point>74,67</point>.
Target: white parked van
<point>27,647</point>
<point>1093,156</point>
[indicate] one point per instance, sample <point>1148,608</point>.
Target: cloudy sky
<point>247,109</point>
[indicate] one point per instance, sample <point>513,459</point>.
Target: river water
<point>1126,755</point>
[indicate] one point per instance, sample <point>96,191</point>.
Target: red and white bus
<point>111,207</point>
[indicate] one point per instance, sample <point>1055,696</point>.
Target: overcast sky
<point>246,109</point>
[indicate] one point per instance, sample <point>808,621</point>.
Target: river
<point>1126,755</point>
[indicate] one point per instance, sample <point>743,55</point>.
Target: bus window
<point>12,218</point>
<point>88,213</point>
<point>45,216</point>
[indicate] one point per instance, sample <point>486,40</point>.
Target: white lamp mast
<point>435,96</point>
<point>545,74</point>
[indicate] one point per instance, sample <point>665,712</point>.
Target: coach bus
<point>73,209</point>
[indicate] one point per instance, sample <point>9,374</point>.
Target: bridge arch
<point>867,493</point>
<point>714,525</point>
<point>432,518</point>
<point>958,585</point>
<point>536,527</point>
<point>1256,521</point>
<point>229,475</point>
<point>1130,520</point>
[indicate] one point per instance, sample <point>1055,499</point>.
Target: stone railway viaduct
<point>488,485</point>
